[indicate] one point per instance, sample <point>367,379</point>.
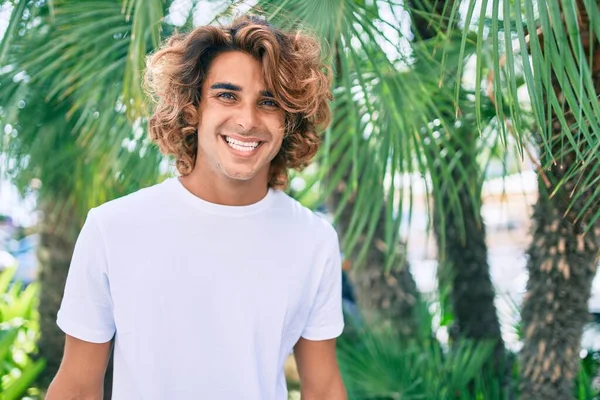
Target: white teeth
<point>237,144</point>
<point>240,148</point>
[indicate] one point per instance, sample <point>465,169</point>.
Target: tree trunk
<point>463,267</point>
<point>56,248</point>
<point>59,231</point>
<point>463,255</point>
<point>463,259</point>
<point>391,295</point>
<point>562,264</point>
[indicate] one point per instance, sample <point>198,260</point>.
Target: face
<point>241,125</point>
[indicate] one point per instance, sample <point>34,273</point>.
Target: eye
<point>226,95</point>
<point>270,103</point>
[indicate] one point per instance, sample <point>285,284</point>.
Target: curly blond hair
<point>293,71</point>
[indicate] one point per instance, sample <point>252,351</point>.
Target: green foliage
<point>586,387</point>
<point>64,107</point>
<point>18,332</point>
<point>529,50</point>
<point>377,364</point>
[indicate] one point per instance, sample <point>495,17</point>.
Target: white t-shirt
<point>206,301</point>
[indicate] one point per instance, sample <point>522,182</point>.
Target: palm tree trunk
<point>56,248</point>
<point>463,268</point>
<point>562,264</point>
<point>463,259</point>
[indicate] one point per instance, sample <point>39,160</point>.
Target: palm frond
<point>15,19</point>
<point>376,365</point>
<point>550,50</point>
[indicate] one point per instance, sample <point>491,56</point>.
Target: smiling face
<point>241,125</point>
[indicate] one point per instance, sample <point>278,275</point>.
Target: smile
<point>241,145</point>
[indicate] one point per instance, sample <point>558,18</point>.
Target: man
<point>208,281</point>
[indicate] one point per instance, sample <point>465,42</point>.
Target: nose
<point>247,117</point>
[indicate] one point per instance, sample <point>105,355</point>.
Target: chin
<point>240,175</point>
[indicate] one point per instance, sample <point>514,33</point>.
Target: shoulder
<point>142,203</point>
<point>293,213</point>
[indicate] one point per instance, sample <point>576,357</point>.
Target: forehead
<point>238,68</point>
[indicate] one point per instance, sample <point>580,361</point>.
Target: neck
<point>225,191</point>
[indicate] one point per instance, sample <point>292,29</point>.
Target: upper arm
<point>86,310</point>
<point>318,369</point>
<point>86,316</point>
<point>82,370</point>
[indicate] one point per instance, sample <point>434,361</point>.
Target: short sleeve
<point>86,311</point>
<point>326,320</point>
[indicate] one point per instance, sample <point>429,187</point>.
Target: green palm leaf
<point>550,41</point>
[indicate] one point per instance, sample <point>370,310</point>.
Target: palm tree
<point>558,61</point>
<point>390,295</point>
<point>460,232</point>
<point>562,257</point>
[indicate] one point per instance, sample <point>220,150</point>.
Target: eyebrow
<point>226,86</point>
<point>236,88</point>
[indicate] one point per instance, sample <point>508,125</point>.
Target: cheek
<point>208,127</point>
<point>277,140</point>
<point>277,129</point>
<point>211,117</point>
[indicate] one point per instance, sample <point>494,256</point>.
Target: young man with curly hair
<point>209,280</point>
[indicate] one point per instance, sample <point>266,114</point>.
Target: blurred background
<point>461,171</point>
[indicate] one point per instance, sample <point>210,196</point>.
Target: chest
<point>218,283</point>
